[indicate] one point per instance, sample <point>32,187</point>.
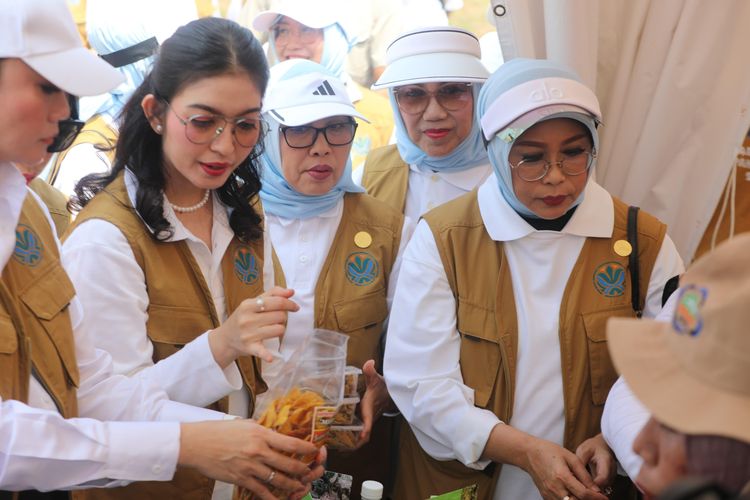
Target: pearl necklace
<point>193,208</point>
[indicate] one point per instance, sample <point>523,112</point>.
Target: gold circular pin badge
<point>363,239</point>
<point>623,248</point>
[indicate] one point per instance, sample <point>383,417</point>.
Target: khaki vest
<point>597,289</point>
<point>35,330</point>
<point>180,309</point>
<point>56,202</point>
<point>96,132</point>
<point>350,297</point>
<point>386,177</point>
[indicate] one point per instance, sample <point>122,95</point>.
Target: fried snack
<point>293,414</point>
<point>351,378</point>
<point>344,437</point>
<point>345,414</point>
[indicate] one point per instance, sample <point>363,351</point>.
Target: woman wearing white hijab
<point>504,295</point>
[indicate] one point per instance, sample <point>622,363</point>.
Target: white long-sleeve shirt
<point>431,394</point>
<point>428,190</point>
<point>302,246</point>
<point>39,449</point>
<point>97,247</point>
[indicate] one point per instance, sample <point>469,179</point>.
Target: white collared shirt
<point>302,246</point>
<point>86,450</point>
<point>431,393</point>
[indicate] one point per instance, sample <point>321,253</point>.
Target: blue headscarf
<point>278,196</point>
<point>336,46</point>
<point>111,30</point>
<point>508,76</point>
<point>469,153</point>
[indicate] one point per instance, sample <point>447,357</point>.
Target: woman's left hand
<point>375,401</point>
<point>599,460</point>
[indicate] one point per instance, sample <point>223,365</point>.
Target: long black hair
<point>203,48</point>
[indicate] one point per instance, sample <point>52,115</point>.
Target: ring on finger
<point>566,497</point>
<point>271,476</point>
<point>261,304</point>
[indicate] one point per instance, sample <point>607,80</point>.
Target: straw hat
<point>693,373</point>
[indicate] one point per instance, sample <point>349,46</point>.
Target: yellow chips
<point>293,413</point>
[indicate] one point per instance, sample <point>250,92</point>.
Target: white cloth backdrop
<point>673,78</point>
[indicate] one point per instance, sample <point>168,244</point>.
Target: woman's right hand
<point>253,321</point>
<point>247,454</point>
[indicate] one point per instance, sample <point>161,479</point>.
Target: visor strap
<point>132,54</point>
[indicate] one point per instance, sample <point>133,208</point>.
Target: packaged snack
<point>345,413</point>
<point>351,378</point>
<point>344,437</point>
<point>304,396</point>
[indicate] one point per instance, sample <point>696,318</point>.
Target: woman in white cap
<point>337,247</point>
<point>692,372</point>
<point>433,79</point>
<point>300,29</point>
<point>173,230</point>
<point>50,372</point>
<point>503,297</point>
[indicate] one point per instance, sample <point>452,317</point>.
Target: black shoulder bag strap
<point>635,274</point>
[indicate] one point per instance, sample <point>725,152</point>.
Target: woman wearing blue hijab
<point>337,247</point>
<point>504,296</point>
<point>433,77</point>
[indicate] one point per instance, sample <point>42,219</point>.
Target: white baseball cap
<point>434,54</point>
<point>43,35</point>
<point>318,14</point>
<point>301,92</point>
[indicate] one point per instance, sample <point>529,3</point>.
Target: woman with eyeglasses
<point>503,298</point>
<point>337,247</point>
<point>168,249</point>
<point>301,29</point>
<point>433,79</point>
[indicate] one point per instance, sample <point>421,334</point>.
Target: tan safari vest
<point>180,309</point>
<point>597,289</point>
<point>96,132</point>
<point>386,176</point>
<point>350,297</point>
<point>36,335</point>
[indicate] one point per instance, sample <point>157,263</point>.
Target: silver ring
<point>271,476</point>
<point>261,304</point>
<point>566,497</point>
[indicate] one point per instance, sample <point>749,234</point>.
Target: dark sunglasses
<point>68,128</point>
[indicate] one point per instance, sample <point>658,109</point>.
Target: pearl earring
<point>158,129</point>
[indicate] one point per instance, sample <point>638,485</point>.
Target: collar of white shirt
<point>180,231</point>
<point>594,217</point>
<point>335,211</point>
<point>12,194</point>
<point>465,180</point>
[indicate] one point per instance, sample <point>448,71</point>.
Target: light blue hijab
<point>113,26</point>
<point>469,153</point>
<point>336,46</point>
<point>278,196</point>
<point>508,76</point>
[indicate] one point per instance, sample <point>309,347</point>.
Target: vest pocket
<point>602,371</point>
<point>362,319</point>
<point>171,327</point>
<point>8,336</point>
<point>480,350</point>
<point>48,299</point>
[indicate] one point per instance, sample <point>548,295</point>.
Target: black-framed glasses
<point>304,136</point>
<point>203,128</point>
<point>68,129</point>
<point>534,166</point>
<point>413,99</point>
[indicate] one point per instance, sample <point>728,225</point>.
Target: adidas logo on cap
<point>324,89</point>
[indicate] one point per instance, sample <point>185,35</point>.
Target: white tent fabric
<point>673,79</point>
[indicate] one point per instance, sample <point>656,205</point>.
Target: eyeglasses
<point>68,129</point>
<point>304,136</point>
<point>202,129</point>
<point>413,99</point>
<point>534,167</point>
<point>283,34</point>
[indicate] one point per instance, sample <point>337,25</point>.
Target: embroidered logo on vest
<point>687,316</point>
<point>28,249</point>
<point>245,265</point>
<point>609,279</point>
<point>362,268</point>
